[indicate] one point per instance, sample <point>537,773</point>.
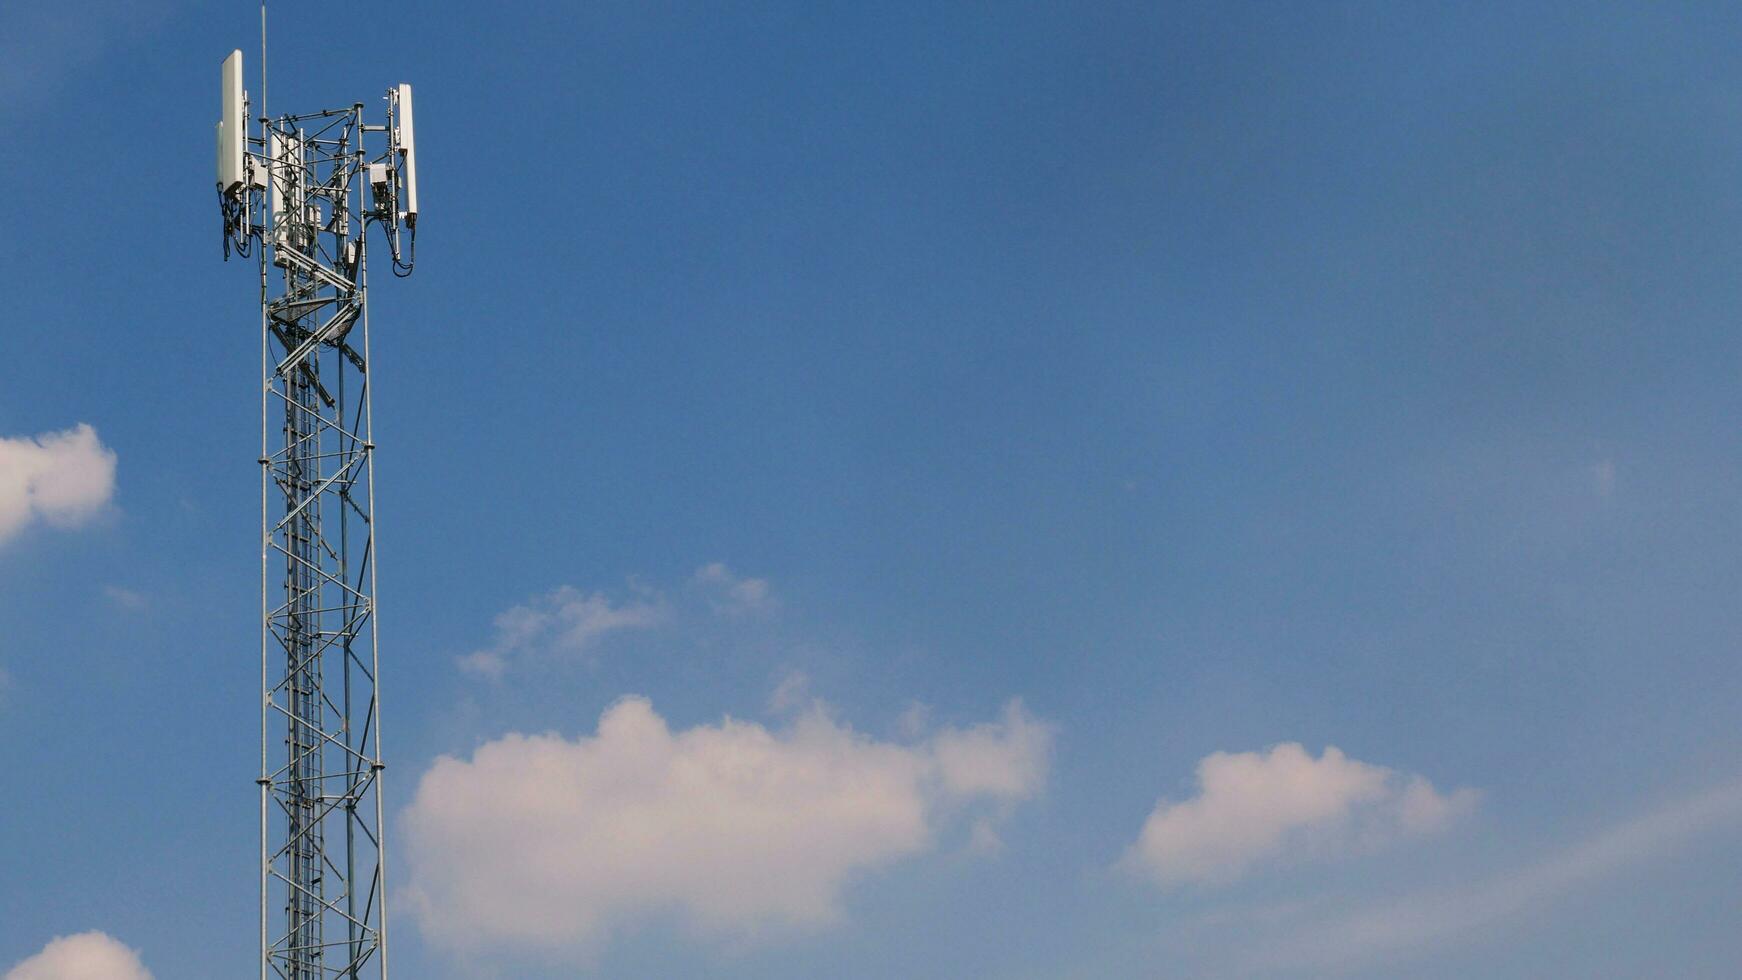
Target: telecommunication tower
<point>300,193</point>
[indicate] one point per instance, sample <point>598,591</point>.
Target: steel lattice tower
<point>305,193</point>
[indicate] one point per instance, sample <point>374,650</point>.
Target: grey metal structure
<point>304,191</point>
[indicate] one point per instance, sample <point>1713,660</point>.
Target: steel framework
<point>310,191</point>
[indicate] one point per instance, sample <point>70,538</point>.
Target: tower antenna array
<point>300,194</point>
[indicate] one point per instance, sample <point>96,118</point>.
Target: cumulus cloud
<point>733,595</point>
<point>1255,806</point>
<point>738,829</point>
<point>914,720</point>
<point>86,956</point>
<point>565,620</point>
<point>61,478</point>
<point>1005,759</point>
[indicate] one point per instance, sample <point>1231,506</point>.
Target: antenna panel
<point>406,139</point>
<point>232,128</point>
<point>278,153</point>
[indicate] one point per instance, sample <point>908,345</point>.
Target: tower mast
<point>305,192</point>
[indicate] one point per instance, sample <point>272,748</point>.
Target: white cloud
<point>565,620</point>
<point>1006,759</point>
<point>983,839</point>
<point>126,599</point>
<point>62,478</point>
<point>731,595</point>
<point>914,720</point>
<point>1413,922</point>
<point>793,692</point>
<point>86,956</point>
<point>1254,806</point>
<point>738,829</point>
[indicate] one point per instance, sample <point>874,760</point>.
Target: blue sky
<point>1203,378</point>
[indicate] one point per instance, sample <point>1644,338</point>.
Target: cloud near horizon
<point>85,956</point>
<point>61,478</point>
<point>1253,807</point>
<point>741,830</point>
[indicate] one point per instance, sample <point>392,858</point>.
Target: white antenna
<point>404,141</point>
<point>233,126</point>
<point>285,157</point>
